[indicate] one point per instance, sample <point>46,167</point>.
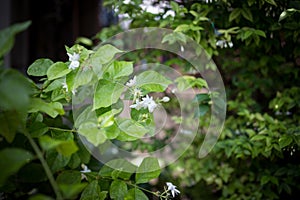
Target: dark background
<point>55,23</point>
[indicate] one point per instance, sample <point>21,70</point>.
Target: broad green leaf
<point>69,177</point>
<point>56,161</point>
<point>135,194</point>
<point>104,55</point>
<point>91,192</point>
<point>7,36</point>
<point>92,133</point>
<point>66,148</point>
<point>11,122</point>
<point>152,81</point>
<point>148,170</point>
<point>107,93</point>
<point>37,129</point>
<point>52,109</point>
<point>235,14</point>
<point>112,131</point>
<point>258,137</point>
<point>71,191</point>
<point>70,80</point>
<point>39,67</point>
<point>57,70</point>
<point>125,168</point>
<point>58,83</point>
<point>285,140</point>
<point>15,90</point>
<point>119,69</point>
<point>86,115</point>
<point>117,190</point>
<point>12,159</point>
<point>130,130</point>
<point>83,77</point>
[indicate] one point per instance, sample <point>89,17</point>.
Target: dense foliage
<point>255,44</point>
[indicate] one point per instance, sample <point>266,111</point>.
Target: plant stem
<point>45,166</point>
<point>61,129</point>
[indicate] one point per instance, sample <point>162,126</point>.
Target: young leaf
<point>104,55</point>
<point>125,168</point>
<point>135,194</point>
<point>92,133</point>
<point>91,192</point>
<point>234,14</point>
<point>149,169</point>
<point>119,69</point>
<point>107,93</point>
<point>52,109</point>
<point>39,67</point>
<point>118,189</point>
<point>57,70</point>
<point>130,130</point>
<point>152,81</point>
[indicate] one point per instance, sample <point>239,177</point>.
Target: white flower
<point>131,82</point>
<point>165,99</point>
<point>85,169</point>
<point>65,86</point>
<point>138,105</point>
<point>224,43</point>
<point>74,60</point>
<point>149,103</point>
<point>137,92</point>
<point>74,91</point>
<point>172,189</point>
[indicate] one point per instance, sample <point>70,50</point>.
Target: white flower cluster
<point>143,102</point>
<point>74,58</point>
<point>224,44</point>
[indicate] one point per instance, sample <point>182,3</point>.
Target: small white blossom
<point>74,60</point>
<point>131,82</point>
<point>137,92</point>
<point>138,105</point>
<point>65,86</point>
<point>74,91</point>
<point>85,170</point>
<point>165,99</point>
<point>224,44</point>
<point>149,103</point>
<point>172,189</point>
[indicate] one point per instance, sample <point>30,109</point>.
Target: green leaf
<point>7,36</point>
<point>148,170</point>
<point>15,90</point>
<point>104,55</point>
<point>12,159</point>
<point>57,70</point>
<point>130,130</point>
<point>58,83</point>
<point>91,192</point>
<point>37,129</point>
<point>118,189</point>
<point>272,2</point>
<point>66,148</point>
<point>83,77</point>
<point>39,67</point>
<point>107,93</point>
<point>52,109</point>
<point>92,133</point>
<point>247,14</point>
<point>56,161</point>
<point>119,69</point>
<point>235,14</point>
<point>135,194</point>
<point>71,191</point>
<point>285,140</point>
<point>152,81</point>
<point>11,122</point>
<point>258,137</point>
<point>125,169</point>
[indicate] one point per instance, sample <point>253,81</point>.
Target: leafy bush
<point>256,47</point>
